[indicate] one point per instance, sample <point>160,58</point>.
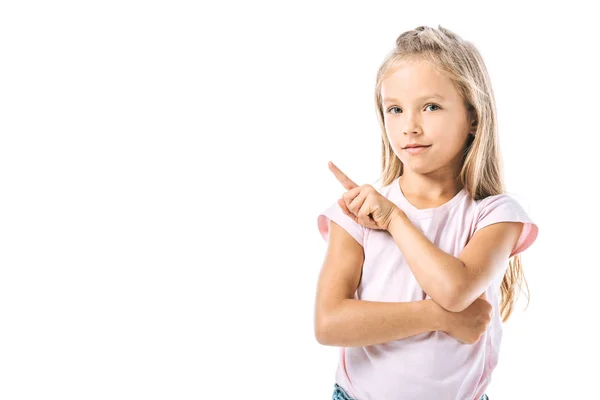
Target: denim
<point>340,394</point>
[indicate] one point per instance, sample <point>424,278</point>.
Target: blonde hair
<point>481,172</point>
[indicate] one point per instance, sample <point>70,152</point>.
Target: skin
<point>429,178</point>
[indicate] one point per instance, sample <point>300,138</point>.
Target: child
<point>418,274</point>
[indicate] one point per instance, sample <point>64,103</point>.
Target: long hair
<point>481,171</point>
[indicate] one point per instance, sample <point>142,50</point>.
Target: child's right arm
<point>341,320</point>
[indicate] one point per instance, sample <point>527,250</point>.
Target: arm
<point>355,323</point>
<point>341,320</point>
<point>455,282</point>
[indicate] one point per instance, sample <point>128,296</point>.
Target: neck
<point>429,186</point>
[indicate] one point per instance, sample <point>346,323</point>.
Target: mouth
<point>408,146</point>
<point>416,149</point>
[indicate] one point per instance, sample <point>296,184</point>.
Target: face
<point>421,106</point>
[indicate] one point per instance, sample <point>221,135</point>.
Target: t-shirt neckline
<point>425,212</point>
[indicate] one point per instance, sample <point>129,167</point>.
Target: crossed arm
<point>452,283</point>
<point>455,282</point>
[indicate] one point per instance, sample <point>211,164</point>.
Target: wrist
<point>396,217</point>
<point>439,316</point>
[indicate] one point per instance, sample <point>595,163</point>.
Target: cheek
<point>397,149</point>
<point>395,143</point>
<point>393,134</point>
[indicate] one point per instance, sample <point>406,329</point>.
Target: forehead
<point>412,79</point>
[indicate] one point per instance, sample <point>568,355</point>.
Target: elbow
<point>330,327</point>
<point>322,332</point>
<point>456,305</point>
<point>321,337</point>
<point>453,299</point>
<point>454,294</point>
<point>323,327</point>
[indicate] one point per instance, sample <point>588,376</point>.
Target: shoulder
<point>506,208</point>
<point>500,203</point>
<point>335,213</point>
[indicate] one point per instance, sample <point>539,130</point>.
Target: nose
<point>412,125</point>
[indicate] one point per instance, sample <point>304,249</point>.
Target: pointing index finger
<point>343,178</point>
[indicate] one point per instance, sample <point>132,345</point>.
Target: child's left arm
<point>455,282</point>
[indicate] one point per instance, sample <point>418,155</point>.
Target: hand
<point>469,324</point>
<point>364,204</point>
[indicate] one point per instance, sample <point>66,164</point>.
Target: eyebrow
<point>429,96</point>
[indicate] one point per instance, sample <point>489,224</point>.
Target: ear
<point>473,119</point>
<point>474,123</point>
<point>473,127</point>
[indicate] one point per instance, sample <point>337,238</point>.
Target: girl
<point>420,274</point>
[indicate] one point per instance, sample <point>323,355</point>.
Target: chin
<point>421,171</point>
<point>420,167</point>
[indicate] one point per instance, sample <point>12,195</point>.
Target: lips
<point>416,150</point>
<point>415,147</point>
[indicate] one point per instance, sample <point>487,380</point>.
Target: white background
<point>162,166</point>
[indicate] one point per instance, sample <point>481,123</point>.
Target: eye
<point>398,108</point>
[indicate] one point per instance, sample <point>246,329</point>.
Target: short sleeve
<point>335,213</point>
<point>504,208</point>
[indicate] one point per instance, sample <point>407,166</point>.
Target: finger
<point>360,207</point>
<point>346,211</point>
<point>350,195</point>
<point>343,178</point>
<point>356,202</point>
